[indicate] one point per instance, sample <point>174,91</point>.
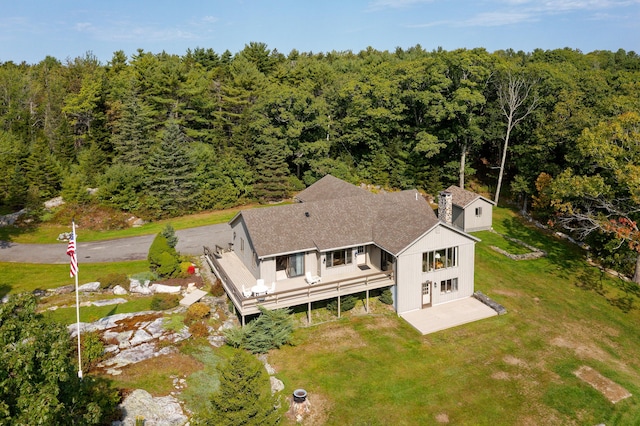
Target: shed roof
<point>462,198</point>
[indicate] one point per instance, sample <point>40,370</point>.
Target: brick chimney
<point>445,207</point>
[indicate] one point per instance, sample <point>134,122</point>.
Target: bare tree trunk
<point>463,159</point>
<point>512,94</point>
<point>504,157</point>
<point>636,275</point>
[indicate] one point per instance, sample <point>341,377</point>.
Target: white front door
<point>361,256</point>
<point>426,294</point>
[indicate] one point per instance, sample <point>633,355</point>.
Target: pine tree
<point>132,140</point>
<point>171,182</point>
<point>243,398</point>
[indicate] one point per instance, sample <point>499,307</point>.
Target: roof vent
<point>307,214</point>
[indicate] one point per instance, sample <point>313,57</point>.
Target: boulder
<point>162,288</point>
<point>119,290</point>
<point>135,286</point>
<point>63,290</point>
<point>165,410</point>
<point>10,219</point>
<point>276,385</point>
<point>53,203</point>
<point>89,287</point>
<point>107,302</point>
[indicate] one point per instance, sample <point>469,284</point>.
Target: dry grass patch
<point>508,293</point>
<point>442,418</point>
<point>611,390</point>
<point>336,336</point>
<point>319,409</point>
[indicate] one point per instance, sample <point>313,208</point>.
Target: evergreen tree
<point>170,234</point>
<point>132,140</point>
<point>171,179</point>
<point>243,397</point>
<point>43,171</point>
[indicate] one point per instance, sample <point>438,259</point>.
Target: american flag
<point>71,252</point>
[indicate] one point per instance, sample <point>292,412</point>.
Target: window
<point>339,257</point>
<point>478,211</point>
<point>242,245</point>
<point>440,259</point>
<point>292,264</point>
<point>448,286</point>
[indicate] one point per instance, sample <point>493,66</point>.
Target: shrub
<point>199,329</point>
<point>169,266</point>
<point>92,349</point>
<point>346,304</point>
<point>217,289</point>
<point>184,269</point>
<point>386,297</point>
<point>197,312</point>
<point>114,279</point>
<point>272,329</point>
<point>162,302</point>
<point>163,259</point>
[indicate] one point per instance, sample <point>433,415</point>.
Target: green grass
<point>47,233</point>
<point>507,370</point>
<point>67,316</point>
<point>26,277</point>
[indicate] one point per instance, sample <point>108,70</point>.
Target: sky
<point>31,30</point>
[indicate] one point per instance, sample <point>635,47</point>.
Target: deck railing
<point>299,295</point>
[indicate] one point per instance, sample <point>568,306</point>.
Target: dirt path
<point>190,241</point>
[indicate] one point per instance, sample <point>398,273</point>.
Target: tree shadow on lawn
<point>594,282</point>
<point>4,290</point>
<point>563,254</point>
<point>8,233</point>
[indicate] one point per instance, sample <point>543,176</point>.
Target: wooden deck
<point>289,292</point>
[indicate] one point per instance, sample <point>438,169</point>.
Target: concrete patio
<point>448,315</point>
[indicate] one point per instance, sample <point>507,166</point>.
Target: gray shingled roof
<point>329,188</point>
<point>462,198</point>
<point>390,220</point>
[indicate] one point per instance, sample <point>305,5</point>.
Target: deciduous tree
<point>607,197</point>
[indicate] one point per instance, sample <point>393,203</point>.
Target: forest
<point>159,135</point>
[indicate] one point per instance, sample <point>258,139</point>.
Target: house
<point>468,211</point>
<point>340,239</point>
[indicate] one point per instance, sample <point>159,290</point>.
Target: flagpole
<point>73,235</point>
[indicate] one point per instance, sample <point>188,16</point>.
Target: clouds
<point>506,12</point>
<point>150,32</point>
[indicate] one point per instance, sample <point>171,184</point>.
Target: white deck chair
<point>272,289</point>
<point>245,292</point>
<point>311,279</point>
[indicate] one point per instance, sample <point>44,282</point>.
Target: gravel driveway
<point>190,241</point>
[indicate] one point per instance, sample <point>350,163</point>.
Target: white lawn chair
<point>272,289</point>
<point>311,279</point>
<point>245,292</point>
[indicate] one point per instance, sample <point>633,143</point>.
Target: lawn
<point>508,370</point>
<point>26,277</point>
<point>47,233</point>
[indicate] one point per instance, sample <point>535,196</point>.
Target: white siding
<point>246,254</point>
<point>268,270</point>
<point>409,275</point>
<point>311,262</point>
<point>474,223</point>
